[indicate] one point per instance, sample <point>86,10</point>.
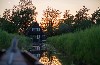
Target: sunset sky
<point>62,5</point>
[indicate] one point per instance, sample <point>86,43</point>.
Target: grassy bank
<point>79,47</point>
<point>5,40</point>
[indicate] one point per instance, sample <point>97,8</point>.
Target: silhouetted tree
<point>66,24</point>
<point>50,20</point>
<point>21,16</point>
<point>66,14</point>
<point>96,16</point>
<point>69,20</point>
<point>82,19</point>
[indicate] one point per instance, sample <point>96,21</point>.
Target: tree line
<point>22,16</point>
<point>53,25</point>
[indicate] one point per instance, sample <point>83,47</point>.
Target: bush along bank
<point>6,40</point>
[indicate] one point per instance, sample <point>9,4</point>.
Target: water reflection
<point>52,61</point>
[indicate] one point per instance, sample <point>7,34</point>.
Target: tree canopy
<point>96,16</point>
<point>21,16</point>
<point>50,20</point>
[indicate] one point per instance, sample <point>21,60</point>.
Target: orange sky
<point>62,5</point>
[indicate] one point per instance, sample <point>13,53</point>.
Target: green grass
<point>82,46</point>
<point>6,40</point>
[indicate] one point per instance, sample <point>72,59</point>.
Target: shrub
<point>5,40</point>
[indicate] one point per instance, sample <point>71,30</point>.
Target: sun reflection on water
<point>52,61</point>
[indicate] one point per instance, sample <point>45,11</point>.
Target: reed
<point>81,46</point>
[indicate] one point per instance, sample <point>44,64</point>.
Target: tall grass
<point>78,47</point>
<point>5,40</point>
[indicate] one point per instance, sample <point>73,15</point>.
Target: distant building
<point>38,38</point>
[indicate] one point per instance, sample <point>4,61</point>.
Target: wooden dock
<point>18,58</point>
